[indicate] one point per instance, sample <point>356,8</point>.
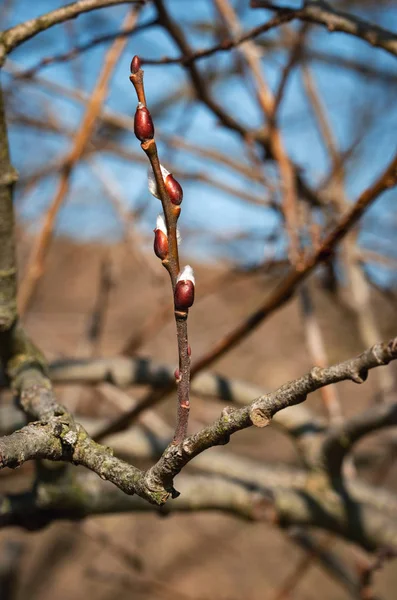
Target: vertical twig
<point>294,57</point>
<point>168,190</point>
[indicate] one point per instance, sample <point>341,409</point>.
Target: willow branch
<point>166,247</point>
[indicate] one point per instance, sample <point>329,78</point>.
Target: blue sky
<point>352,101</point>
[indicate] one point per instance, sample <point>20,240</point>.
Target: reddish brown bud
<point>177,374</point>
<point>160,244</point>
<point>189,351</point>
<point>184,295</point>
<point>174,189</point>
<point>143,124</point>
<point>184,289</point>
<point>135,65</point>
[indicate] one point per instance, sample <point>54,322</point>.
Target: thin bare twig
<point>18,34</point>
<point>321,13</point>
<point>186,59</point>
<point>295,55</point>
<point>267,103</point>
<point>79,49</point>
<point>40,249</point>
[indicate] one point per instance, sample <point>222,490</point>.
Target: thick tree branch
<point>57,437</point>
<point>157,483</point>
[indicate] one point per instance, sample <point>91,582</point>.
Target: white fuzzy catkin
<point>186,275</point>
<point>160,224</point>
<point>152,185</point>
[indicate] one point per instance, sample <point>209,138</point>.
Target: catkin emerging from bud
<point>143,124</point>
<point>184,289</point>
<point>174,189</point>
<point>160,245</point>
<point>151,180</point>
